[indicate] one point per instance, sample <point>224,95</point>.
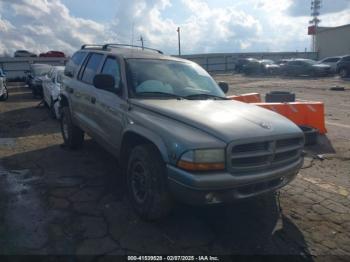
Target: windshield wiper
<point>205,96</point>
<point>161,94</point>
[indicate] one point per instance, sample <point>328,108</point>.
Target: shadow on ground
<point>76,201</point>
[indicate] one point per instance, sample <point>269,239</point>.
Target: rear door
<point>70,82</point>
<point>110,105</point>
<point>47,85</point>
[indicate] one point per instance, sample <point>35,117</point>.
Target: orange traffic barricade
<point>301,113</point>
<point>247,98</point>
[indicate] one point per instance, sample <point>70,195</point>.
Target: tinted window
<point>111,67</point>
<point>74,63</point>
<point>91,68</point>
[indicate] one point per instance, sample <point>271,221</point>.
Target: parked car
<point>3,88</point>
<point>52,54</point>
<point>331,61</point>
<point>52,90</point>
<point>241,62</point>
<point>269,67</point>
<point>252,66</point>
<point>282,62</point>
<point>309,67</point>
<point>36,76</point>
<point>174,131</point>
<point>24,53</point>
<point>343,66</point>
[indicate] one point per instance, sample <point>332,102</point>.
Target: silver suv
<point>173,130</point>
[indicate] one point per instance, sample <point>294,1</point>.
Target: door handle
<point>93,100</point>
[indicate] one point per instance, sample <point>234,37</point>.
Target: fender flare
<point>151,136</point>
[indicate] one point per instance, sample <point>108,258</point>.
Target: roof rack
<point>91,46</point>
<point>132,46</point>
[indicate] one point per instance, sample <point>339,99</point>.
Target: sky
<point>213,26</point>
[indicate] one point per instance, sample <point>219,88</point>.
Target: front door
<point>85,93</point>
<point>109,105</point>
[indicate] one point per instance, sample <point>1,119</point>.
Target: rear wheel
<point>72,135</point>
<point>146,180</point>
<point>343,72</point>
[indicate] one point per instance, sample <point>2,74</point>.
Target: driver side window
<point>111,67</point>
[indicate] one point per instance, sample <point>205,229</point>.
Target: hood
<point>227,120</point>
<point>323,66</point>
<point>272,66</point>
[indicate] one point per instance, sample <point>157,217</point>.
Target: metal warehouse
<point>333,41</point>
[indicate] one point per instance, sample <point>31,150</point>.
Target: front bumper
<point>215,188</point>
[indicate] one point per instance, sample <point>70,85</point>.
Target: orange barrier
<point>247,98</point>
<point>301,113</point>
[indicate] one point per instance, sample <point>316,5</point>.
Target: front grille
<point>250,147</point>
<point>263,155</point>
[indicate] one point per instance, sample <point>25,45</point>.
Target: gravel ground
<point>55,201</point>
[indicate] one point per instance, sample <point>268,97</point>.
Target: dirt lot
<point>71,202</point>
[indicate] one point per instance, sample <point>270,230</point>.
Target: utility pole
<point>178,39</point>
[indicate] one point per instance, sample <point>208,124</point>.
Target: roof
<point>324,29</point>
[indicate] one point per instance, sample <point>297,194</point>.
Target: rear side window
<point>111,67</point>
<point>91,68</point>
<point>331,60</point>
<point>347,58</point>
<point>74,63</point>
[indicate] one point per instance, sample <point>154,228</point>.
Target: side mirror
<point>105,82</point>
<point>223,86</point>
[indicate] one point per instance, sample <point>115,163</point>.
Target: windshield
<point>155,78</point>
<point>39,71</point>
<point>309,61</point>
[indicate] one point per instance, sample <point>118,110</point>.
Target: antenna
<point>315,12</point>
<point>142,41</point>
<point>132,33</point>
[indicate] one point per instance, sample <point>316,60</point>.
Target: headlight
<point>203,160</point>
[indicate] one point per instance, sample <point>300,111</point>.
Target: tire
<point>5,95</point>
<point>310,135</point>
<point>73,136</point>
<point>146,182</point>
<point>279,97</point>
<point>52,109</point>
<point>343,72</point>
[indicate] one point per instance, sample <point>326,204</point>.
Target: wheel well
<point>64,101</point>
<point>130,140</point>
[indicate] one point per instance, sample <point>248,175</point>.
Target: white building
<point>333,41</point>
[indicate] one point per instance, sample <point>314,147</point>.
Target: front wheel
<point>343,73</point>
<point>73,136</point>
<point>5,94</point>
<point>146,180</point>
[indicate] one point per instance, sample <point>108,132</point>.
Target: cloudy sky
<point>206,26</point>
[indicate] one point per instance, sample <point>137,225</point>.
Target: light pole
<point>178,39</point>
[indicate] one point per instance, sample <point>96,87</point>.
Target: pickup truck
<point>174,132</point>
